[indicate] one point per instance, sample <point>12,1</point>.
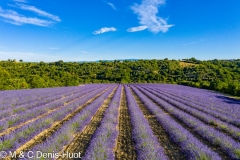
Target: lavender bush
<point>146,143</point>
<point>103,140</point>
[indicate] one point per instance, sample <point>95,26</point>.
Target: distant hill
<point>219,75</point>
<point>132,59</point>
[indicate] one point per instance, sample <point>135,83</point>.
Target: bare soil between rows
<point>124,149</point>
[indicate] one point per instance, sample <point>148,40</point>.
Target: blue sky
<point>77,30</point>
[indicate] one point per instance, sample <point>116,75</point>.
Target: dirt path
<point>171,149</point>
<point>124,149</point>
<point>48,132</point>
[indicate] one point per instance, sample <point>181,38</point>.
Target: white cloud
<point>14,18</point>
<point>112,5</point>
<point>39,12</point>
<point>54,48</point>
<point>147,14</point>
<point>105,29</point>
<point>137,29</point>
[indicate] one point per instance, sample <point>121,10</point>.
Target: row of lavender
<point>66,133</point>
<point>203,98</point>
<point>214,113</point>
<point>222,122</point>
<point>213,110</point>
<point>13,140</point>
<point>41,100</point>
<point>225,112</point>
<point>9,119</point>
<point>191,146</point>
<point>36,97</point>
<point>210,127</point>
<point>20,97</point>
<point>104,139</point>
<point>146,144</point>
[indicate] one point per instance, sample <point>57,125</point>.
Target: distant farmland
<point>111,121</point>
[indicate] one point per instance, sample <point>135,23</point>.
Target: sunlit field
<point>112,121</point>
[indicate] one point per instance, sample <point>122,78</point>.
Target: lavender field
<point>112,121</point>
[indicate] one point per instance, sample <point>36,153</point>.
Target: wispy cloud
<point>54,48</point>
<point>190,43</point>
<point>20,1</point>
<point>39,12</point>
<point>17,19</point>
<point>147,15</point>
<point>13,17</point>
<point>85,52</point>
<point>137,29</point>
<point>193,42</point>
<point>105,29</point>
<point>112,5</point>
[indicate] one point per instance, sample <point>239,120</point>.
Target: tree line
<point>218,75</point>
